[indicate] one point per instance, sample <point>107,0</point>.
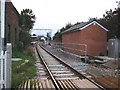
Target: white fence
<point>5,68</point>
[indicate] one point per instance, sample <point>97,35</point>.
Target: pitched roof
<point>10,4</point>
<point>83,25</point>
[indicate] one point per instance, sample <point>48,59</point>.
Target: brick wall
<point>94,36</point>
<point>11,24</point>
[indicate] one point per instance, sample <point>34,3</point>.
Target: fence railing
<point>5,67</point>
<point>75,48</point>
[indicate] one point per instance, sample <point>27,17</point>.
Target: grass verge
<point>22,70</point>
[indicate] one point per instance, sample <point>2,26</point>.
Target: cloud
<point>55,14</point>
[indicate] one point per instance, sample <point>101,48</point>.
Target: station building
<point>11,24</point>
<point>88,38</point>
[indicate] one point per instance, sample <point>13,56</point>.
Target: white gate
<point>5,68</point>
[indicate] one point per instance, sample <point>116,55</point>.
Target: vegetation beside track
<point>24,69</point>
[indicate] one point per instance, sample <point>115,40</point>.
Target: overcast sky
<point>55,14</point>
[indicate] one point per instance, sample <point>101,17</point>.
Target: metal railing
<point>74,48</point>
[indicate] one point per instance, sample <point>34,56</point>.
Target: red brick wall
<point>70,42</point>
<point>94,36</point>
<point>11,19</point>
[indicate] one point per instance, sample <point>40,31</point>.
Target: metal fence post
<point>8,65</point>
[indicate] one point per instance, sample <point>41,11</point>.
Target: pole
<point>0,29</point>
<point>8,66</point>
<point>2,25</point>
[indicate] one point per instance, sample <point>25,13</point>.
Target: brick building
<point>87,36</point>
<point>11,24</point>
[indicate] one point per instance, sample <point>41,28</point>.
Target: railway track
<point>56,74</point>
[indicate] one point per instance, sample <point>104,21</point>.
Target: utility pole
<point>2,24</point>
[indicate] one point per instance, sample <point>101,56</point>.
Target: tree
<point>68,26</point>
<point>27,19</point>
<point>25,38</point>
<point>110,21</point>
<point>58,34</point>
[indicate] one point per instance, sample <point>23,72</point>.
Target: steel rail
<point>72,69</point>
<point>52,77</point>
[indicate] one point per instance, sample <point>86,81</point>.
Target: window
<point>15,35</point>
<point>9,34</point>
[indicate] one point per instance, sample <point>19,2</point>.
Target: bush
<point>20,46</point>
<point>25,37</point>
<point>29,50</point>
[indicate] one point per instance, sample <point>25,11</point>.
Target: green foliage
<point>22,72</point>
<point>68,26</point>
<point>19,46</point>
<point>27,19</point>
<point>25,37</point>
<point>110,21</point>
<point>58,34</point>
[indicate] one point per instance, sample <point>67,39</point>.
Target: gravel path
<point>76,61</point>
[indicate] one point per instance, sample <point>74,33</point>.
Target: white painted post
<point>85,53</point>
<point>0,30</point>
<point>2,24</point>
<point>2,57</point>
<point>1,72</point>
<point>8,66</point>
